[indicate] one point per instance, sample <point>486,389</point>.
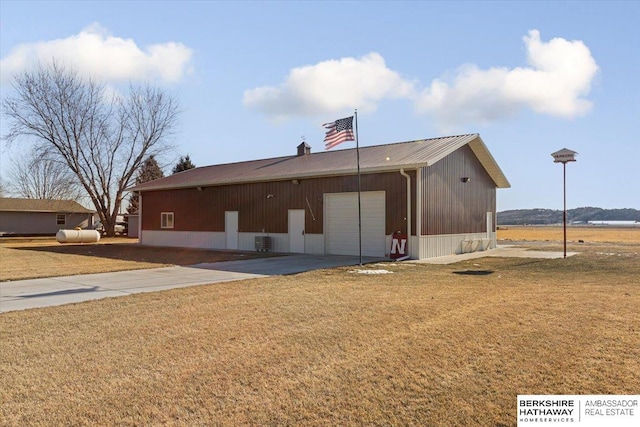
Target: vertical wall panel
<point>263,206</point>
<point>450,205</point>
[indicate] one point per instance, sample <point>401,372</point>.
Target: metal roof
<point>378,158</point>
<point>41,205</point>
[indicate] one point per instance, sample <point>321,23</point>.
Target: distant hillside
<point>550,216</point>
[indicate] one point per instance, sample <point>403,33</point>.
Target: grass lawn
<point>426,345</point>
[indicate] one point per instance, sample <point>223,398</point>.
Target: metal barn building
<point>440,192</point>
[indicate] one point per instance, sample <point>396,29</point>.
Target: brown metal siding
<point>451,206</point>
<point>204,210</point>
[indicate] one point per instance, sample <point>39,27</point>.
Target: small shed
<point>33,217</point>
<point>133,221</point>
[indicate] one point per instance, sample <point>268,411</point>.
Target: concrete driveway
<point>25,294</point>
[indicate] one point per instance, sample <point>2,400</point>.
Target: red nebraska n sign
<point>398,246</point>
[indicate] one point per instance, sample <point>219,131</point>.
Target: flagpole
<point>359,201</point>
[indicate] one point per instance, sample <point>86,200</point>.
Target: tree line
<point>579,215</point>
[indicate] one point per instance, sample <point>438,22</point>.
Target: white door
<point>296,230</point>
<point>231,229</point>
<point>341,223</point>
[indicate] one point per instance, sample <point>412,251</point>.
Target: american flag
<point>338,132</point>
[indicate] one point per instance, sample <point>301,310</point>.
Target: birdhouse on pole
<point>563,156</point>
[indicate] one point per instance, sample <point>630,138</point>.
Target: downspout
<point>140,217</point>
<point>402,172</point>
<point>419,207</point>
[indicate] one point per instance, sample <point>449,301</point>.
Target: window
<point>61,219</point>
<point>166,220</point>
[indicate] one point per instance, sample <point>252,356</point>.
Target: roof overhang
<point>489,163</point>
<point>287,177</point>
<point>374,159</point>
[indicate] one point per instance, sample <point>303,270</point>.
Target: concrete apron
<point>46,292</point>
<point>502,251</point>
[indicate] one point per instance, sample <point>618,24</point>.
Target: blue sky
<point>254,77</point>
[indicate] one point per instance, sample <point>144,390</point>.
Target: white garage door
<point>341,223</point>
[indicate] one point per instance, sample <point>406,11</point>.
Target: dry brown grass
<point>574,234</point>
<point>28,258</point>
<point>427,345</point>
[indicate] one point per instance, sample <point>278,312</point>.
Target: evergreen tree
<point>183,164</point>
<point>149,171</point>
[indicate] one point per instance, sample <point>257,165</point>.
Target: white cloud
<point>555,81</point>
<point>94,52</point>
<point>330,87</point>
<point>558,77</point>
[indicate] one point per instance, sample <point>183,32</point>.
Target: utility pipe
<point>402,172</point>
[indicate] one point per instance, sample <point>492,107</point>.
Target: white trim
<point>408,178</point>
<point>139,217</point>
<point>314,244</point>
<point>416,251</point>
<point>186,239</point>
<point>449,244</point>
<point>166,224</point>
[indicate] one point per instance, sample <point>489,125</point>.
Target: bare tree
<point>35,177</point>
<point>103,140</point>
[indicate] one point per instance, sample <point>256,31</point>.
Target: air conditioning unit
<point>263,243</point>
